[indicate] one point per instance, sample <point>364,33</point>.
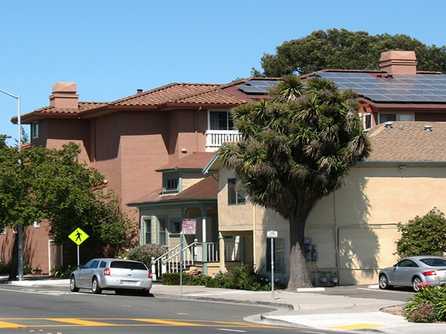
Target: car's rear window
<point>433,262</point>
<point>128,265</point>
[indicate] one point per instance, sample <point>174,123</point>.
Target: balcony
<point>216,138</point>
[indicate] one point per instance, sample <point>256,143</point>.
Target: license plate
<point>129,282</point>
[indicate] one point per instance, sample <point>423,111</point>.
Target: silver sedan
<point>415,272</point>
<point>112,274</point>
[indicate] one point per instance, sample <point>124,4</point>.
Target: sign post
<point>78,236</point>
<point>188,227</point>
<point>272,235</point>
<point>181,263</point>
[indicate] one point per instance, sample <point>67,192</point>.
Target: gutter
<point>400,163</point>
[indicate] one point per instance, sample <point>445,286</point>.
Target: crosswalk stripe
<point>169,322</point>
<point>80,322</point>
<point>4,325</point>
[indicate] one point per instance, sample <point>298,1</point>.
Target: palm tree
<point>295,149</point>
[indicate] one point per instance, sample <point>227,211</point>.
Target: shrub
<point>423,235</point>
<point>238,278</point>
<point>4,268</point>
<point>146,252</point>
<point>63,272</point>
<point>171,279</point>
<point>428,305</point>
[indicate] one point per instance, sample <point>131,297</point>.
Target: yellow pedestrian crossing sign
<point>78,236</point>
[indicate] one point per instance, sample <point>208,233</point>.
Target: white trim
<point>364,115</point>
<point>218,110</point>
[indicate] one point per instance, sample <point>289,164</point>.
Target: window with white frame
<point>34,130</point>
<point>392,117</point>
<point>220,120</point>
<point>36,224</point>
<point>367,121</point>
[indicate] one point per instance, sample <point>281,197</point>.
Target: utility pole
<point>19,227</point>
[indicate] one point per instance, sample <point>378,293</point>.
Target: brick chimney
<point>64,95</point>
<point>398,62</point>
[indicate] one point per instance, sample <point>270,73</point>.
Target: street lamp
<point>19,227</point>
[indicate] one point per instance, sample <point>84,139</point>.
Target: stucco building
<point>129,139</point>
<point>152,147</point>
<point>351,233</point>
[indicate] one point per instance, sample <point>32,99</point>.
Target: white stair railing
<point>191,254</point>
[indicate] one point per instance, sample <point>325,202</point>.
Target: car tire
<point>73,287</point>
<point>95,286</point>
<point>145,293</point>
<point>383,282</point>
<point>416,282</point>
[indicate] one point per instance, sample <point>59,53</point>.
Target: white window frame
<point>34,130</point>
<point>227,119</point>
<point>36,224</point>
<point>364,116</point>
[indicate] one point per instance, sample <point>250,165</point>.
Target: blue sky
<point>111,48</point>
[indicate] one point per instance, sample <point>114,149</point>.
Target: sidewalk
<point>316,310</point>
<point>311,309</point>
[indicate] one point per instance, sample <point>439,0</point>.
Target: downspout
<point>336,238</point>
<point>254,237</point>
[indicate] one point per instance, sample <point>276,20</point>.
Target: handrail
<point>166,253</point>
<point>184,249</point>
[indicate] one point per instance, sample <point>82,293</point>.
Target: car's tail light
<point>149,275</point>
<point>430,273</point>
<point>107,272</point>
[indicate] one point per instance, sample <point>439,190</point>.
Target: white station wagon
<point>112,274</point>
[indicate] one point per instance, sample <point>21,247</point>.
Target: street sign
<point>78,236</point>
<point>189,226</point>
<point>272,234</point>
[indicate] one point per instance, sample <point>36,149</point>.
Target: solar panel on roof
<point>400,88</point>
<point>258,86</point>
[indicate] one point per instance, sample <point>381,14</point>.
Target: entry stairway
<point>184,258</point>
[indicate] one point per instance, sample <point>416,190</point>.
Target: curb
<point>234,301</point>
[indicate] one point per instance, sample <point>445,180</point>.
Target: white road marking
<point>181,313</point>
<point>391,291</point>
<point>231,330</point>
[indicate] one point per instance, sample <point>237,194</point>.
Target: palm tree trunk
<point>299,276</point>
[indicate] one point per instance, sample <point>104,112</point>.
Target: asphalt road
<point>25,310</point>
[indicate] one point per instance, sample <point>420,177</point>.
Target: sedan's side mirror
<point>395,267</point>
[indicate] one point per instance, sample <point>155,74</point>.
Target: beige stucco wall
<point>188,180</point>
<point>355,228</point>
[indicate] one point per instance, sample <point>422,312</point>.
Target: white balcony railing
<point>216,138</point>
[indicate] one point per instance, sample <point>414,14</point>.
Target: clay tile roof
<point>49,111</point>
<point>195,160</point>
<point>408,142</point>
<point>165,94</point>
<point>205,189</point>
<point>213,97</point>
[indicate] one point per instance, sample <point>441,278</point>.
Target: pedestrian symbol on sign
<point>78,236</point>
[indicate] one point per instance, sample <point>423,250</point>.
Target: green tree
<point>38,183</point>
<point>424,235</point>
<point>343,49</point>
<point>295,149</point>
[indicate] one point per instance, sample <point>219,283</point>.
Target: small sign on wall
<point>189,226</point>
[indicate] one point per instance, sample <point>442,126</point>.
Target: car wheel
<point>73,287</point>
<point>416,284</point>
<point>95,286</point>
<point>383,282</point>
<point>145,292</point>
